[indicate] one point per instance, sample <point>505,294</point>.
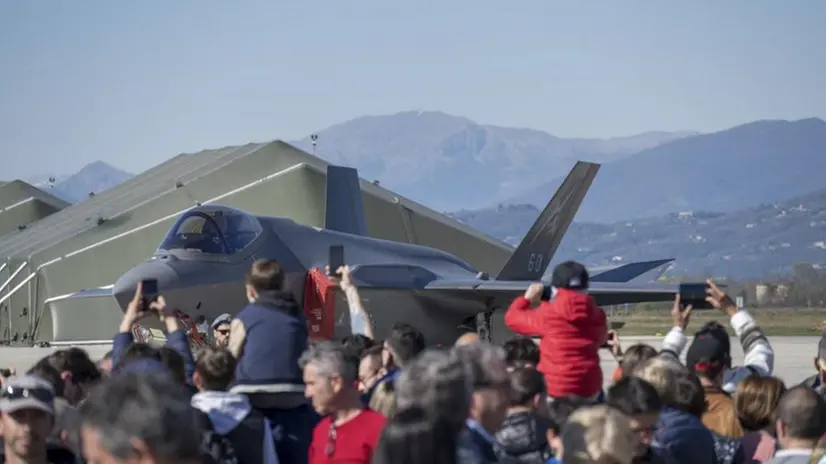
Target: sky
<point>134,83</point>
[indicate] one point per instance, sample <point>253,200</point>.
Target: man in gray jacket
<point>801,421</point>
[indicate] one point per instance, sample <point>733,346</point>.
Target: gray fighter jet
<point>201,263</point>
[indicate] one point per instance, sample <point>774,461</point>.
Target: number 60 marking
<point>535,262</point>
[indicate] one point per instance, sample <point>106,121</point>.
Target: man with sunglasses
<point>221,329</point>
<point>27,407</point>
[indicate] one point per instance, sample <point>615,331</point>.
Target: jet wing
<point>423,281</point>
<point>605,293</point>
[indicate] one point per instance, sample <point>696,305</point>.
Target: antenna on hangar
<point>314,140</point>
<point>180,185</point>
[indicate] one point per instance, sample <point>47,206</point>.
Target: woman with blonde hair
<point>597,435</point>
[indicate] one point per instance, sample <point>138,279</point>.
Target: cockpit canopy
<point>216,230</point>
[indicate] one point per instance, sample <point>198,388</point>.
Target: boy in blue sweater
<point>267,337</point>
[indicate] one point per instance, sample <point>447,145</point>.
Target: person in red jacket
<point>571,328</point>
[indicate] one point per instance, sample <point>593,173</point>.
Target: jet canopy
<point>217,230</point>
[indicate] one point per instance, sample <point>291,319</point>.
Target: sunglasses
<point>17,393</point>
<point>223,331</point>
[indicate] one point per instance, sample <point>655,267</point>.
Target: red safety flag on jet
<point>319,305</point>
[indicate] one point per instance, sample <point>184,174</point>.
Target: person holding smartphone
<point>571,328</point>
<point>360,321</point>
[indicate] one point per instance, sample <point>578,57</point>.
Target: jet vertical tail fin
<point>531,258</point>
<point>345,212</point>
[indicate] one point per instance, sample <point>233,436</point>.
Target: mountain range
<point>450,162</point>
<point>93,178</point>
<point>756,242</point>
<point>759,162</point>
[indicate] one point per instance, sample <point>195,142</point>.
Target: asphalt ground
<point>793,356</point>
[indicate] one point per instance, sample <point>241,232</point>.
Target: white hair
<point>329,359</point>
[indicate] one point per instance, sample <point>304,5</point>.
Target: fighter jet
<point>201,263</point>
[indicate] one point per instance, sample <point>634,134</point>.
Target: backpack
<point>217,449</point>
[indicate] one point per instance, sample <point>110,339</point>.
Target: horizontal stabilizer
<point>642,271</point>
<point>531,258</point>
<point>345,212</point>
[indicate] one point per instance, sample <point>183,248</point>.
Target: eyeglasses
<point>331,438</point>
<point>223,331</point>
<point>17,393</point>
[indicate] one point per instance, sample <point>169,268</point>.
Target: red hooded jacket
<point>571,328</point>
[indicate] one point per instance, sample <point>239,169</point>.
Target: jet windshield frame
<point>220,237</point>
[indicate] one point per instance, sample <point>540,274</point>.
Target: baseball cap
<point>706,352</point>
<point>26,392</point>
<point>222,319</point>
<point>570,274</point>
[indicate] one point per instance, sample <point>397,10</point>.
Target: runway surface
<point>793,356</point>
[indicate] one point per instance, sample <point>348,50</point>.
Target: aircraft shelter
<point>90,244</point>
<point>22,204</point>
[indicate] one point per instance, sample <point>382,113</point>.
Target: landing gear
<point>483,326</point>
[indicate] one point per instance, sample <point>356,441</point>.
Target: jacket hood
<point>225,409</point>
<point>523,435</point>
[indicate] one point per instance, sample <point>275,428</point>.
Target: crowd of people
<point>262,392</point>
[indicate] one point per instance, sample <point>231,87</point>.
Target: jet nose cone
<point>124,289</point>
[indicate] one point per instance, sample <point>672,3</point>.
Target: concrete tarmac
<point>793,360</point>
<point>793,356</point>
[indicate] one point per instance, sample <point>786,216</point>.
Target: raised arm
<point>675,340</point>
<point>360,321</point>
<point>520,318</point>
<point>759,355</point>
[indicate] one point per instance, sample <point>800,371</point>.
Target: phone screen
<point>694,295</point>
<point>336,258</point>
<point>149,289</point>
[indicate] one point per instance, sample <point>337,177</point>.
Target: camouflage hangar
<point>22,204</point>
<point>90,244</point>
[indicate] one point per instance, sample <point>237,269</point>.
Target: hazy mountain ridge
<point>764,240</point>
<point>762,161</point>
<point>442,160</point>
<point>94,178</point>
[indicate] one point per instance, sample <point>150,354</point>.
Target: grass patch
<point>775,322</point>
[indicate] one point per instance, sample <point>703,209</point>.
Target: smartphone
<point>336,258</point>
<point>547,293</point>
<point>695,295</point>
<point>149,290</point>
